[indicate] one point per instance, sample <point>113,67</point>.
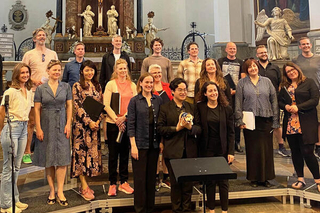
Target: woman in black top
<point>143,111</point>
<point>217,138</point>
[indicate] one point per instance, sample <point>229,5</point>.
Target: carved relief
<point>139,47</point>
<point>58,47</point>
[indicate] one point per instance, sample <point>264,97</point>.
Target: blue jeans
<point>19,137</point>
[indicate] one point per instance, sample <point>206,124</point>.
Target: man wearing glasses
<point>37,59</point>
<point>189,69</point>
<point>271,71</point>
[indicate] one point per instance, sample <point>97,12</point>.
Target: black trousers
<point>144,176</point>
<point>211,188</point>
<point>237,136</point>
<point>180,192</point>
<point>116,150</point>
<point>303,152</point>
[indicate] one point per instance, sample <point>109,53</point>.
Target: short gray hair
<point>116,36</point>
<point>152,66</point>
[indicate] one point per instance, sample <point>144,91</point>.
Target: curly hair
<point>222,99</point>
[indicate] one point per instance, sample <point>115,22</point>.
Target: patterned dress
<point>86,147</point>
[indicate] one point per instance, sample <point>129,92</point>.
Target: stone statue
<point>150,30</point>
<point>72,32</point>
<point>87,21</point>
<point>112,21</point>
<point>130,32</point>
<point>280,33</point>
<point>48,29</point>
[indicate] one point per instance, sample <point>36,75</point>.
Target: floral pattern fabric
<point>294,126</point>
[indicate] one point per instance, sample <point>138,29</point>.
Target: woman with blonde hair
<point>20,96</point>
<point>53,113</point>
<point>211,71</point>
<point>120,86</point>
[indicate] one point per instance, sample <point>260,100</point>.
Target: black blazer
<point>307,98</point>
<point>226,128</point>
<point>175,142</point>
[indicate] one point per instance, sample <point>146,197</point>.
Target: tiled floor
<point>31,183</point>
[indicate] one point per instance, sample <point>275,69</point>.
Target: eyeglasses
<point>43,57</point>
<point>290,71</point>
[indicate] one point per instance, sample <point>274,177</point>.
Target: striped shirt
<point>190,72</point>
<point>261,99</point>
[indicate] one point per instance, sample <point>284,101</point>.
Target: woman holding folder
<point>120,89</point>
<point>86,147</point>
<point>53,113</point>
<point>256,94</point>
<point>298,99</point>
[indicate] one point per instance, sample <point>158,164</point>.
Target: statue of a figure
<point>150,30</point>
<point>130,32</point>
<point>72,32</point>
<point>87,21</point>
<point>112,21</point>
<point>280,33</point>
<point>48,29</point>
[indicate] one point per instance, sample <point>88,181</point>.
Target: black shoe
<point>238,148</point>
<point>254,183</point>
<point>266,184</point>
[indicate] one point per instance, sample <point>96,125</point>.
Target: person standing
<point>217,138</point>
<point>271,71</point>
<point>179,140</point>
<point>53,113</point>
<point>233,66</point>
<point>298,98</point>
<point>256,94</point>
<point>189,69</point>
<point>109,60</point>
<point>143,111</point>
<point>71,70</point>
<point>122,85</point>
<point>310,66</point>
<point>37,59</point>
<point>156,58</point>
<point>20,98</point>
<point>86,146</point>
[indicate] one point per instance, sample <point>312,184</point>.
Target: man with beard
<point>37,59</point>
<point>310,66</point>
<point>272,72</point>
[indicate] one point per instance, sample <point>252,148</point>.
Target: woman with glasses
<point>256,94</point>
<point>20,96</point>
<point>120,85</point>
<point>298,99</point>
<point>53,113</point>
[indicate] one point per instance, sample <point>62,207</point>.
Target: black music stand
<point>202,169</point>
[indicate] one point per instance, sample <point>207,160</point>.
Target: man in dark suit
<point>179,140</point>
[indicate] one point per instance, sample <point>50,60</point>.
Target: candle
<point>119,32</point>
<point>81,34</point>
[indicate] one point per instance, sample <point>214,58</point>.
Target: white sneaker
<point>10,210</point>
<point>22,206</point>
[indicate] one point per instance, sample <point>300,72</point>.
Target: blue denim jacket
<point>138,120</point>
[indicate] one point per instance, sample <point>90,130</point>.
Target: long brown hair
<point>222,99</point>
<point>286,81</point>
<point>94,80</point>
<point>142,77</point>
<point>115,74</point>
<point>16,75</point>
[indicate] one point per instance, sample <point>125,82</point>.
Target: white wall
<point>36,17</point>
<point>314,6</point>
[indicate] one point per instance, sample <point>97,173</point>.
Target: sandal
<point>62,202</point>
<point>51,201</point>
<point>296,185</point>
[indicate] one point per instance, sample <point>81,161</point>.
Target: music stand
<point>202,169</point>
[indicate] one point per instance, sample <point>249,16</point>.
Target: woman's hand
<point>94,126</point>
<point>67,130</point>
<point>288,108</point>
<point>294,109</point>
<point>40,134</point>
<point>134,152</point>
<point>230,159</point>
<point>242,126</point>
<point>120,120</point>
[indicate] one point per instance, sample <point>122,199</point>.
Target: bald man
<point>233,66</point>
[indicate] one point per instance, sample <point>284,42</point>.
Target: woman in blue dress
<point>53,113</point>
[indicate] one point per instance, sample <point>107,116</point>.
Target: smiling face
<point>117,42</point>
<point>253,70</point>
<point>180,93</point>
<point>231,50</point>
<point>292,73</point>
<point>156,73</point>
<point>210,66</point>
<point>212,92</point>
<point>193,50</point>
<point>262,54</point>
<point>122,70</point>
<point>305,46</point>
<point>88,73</point>
<point>147,84</point>
<point>24,75</point>
<point>157,47</point>
<point>40,38</point>
<point>54,72</point>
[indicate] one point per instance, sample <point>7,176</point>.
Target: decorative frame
<point>18,16</point>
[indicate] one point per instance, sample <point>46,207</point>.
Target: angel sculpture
<point>279,30</point>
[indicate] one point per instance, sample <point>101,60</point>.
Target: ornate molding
<point>18,16</point>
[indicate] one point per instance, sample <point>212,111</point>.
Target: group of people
<point>197,113</point>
